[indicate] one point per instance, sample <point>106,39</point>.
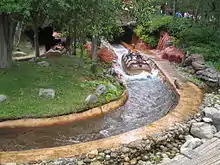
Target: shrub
<point>197,35</point>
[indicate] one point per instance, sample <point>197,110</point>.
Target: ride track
<point>190,98</point>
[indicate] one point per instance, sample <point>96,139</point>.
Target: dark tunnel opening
<point>126,36</point>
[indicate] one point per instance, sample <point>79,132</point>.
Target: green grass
<point>22,81</point>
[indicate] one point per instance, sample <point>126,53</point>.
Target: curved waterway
<point>149,100</point>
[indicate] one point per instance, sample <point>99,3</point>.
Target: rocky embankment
<point>195,63</point>
<point>160,148</point>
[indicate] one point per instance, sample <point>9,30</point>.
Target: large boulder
<point>91,99</point>
<point>2,98</point>
<point>203,130</point>
<point>172,54</point>
<point>53,53</point>
<point>193,58</point>
<point>142,46</point>
<point>198,66</point>
<point>48,93</point>
<point>19,54</point>
<point>43,64</point>
<point>164,41</point>
<point>214,114</point>
<point>101,89</point>
<point>210,75</point>
<point>106,55</point>
<point>190,144</point>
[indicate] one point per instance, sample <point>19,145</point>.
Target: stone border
<point>190,99</point>
<point>41,122</point>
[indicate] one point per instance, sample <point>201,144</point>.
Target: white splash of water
<point>104,133</point>
<point>120,51</point>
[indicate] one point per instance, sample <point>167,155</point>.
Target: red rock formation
<point>172,54</point>
<point>142,46</point>
<point>164,38</point>
<point>104,54</point>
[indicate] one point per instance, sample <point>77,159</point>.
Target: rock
<point>133,161</point>
<point>43,64</point>
<point>102,154</point>
<point>213,113</point>
<point>127,159</point>
<point>101,89</point>
<point>32,60</point>
<point>91,99</point>
<point>140,162</point>
<point>192,58</point>
<point>210,75</point>
<point>107,152</point>
<point>19,54</point>
<point>145,158</point>
<point>106,55</point>
<point>207,120</point>
<point>198,66</point>
<point>166,160</point>
<point>125,150</point>
<point>80,162</point>
<point>113,155</point>
<point>93,154</point>
<point>96,163</point>
<point>164,155</point>
<point>87,160</point>
<point>191,144</point>
<point>203,130</point>
<point>217,106</point>
<point>173,54</point>
<point>53,53</point>
<point>101,158</point>
<point>111,87</point>
<point>2,98</point>
<point>107,157</point>
<point>48,93</point>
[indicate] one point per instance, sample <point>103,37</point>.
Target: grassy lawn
<point>22,81</point>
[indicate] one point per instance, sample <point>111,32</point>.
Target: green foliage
<point>178,25</point>
<point>198,35</point>
<point>150,30</point>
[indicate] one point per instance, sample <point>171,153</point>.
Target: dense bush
<point>197,35</point>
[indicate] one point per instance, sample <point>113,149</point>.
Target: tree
<point>9,13</point>
<point>104,15</point>
<point>37,14</point>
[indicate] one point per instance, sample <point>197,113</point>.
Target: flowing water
<point>149,100</point>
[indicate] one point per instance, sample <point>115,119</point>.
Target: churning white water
<point>120,51</point>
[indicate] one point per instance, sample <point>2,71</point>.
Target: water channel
<point>149,100</point>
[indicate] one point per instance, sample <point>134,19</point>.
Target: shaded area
<point>149,100</point>
<point>126,36</point>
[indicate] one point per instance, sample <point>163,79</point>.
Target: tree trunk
<point>71,39</point>
<point>174,8</point>
<point>74,46</point>
<point>17,36</point>
<point>7,30</point>
<point>36,41</point>
<point>94,47</point>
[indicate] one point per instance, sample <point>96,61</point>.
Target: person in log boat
<point>139,59</point>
